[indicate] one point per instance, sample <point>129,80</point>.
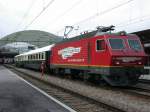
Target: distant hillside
<point>35,37</point>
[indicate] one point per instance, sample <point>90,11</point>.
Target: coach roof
<point>42,49</point>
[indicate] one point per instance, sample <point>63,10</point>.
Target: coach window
<point>100,45</point>
<point>28,57</point>
<point>20,58</point>
<point>34,56</point>
<point>37,56</point>
<point>42,55</point>
<point>31,57</point>
<point>25,58</point>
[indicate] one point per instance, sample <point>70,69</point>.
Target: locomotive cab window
<point>134,44</point>
<point>116,43</point>
<point>100,45</point>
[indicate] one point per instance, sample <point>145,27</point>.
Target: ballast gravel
<point>127,102</point>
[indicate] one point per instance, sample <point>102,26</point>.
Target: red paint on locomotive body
<point>99,51</point>
<point>75,52</point>
<point>117,58</point>
<point>129,55</point>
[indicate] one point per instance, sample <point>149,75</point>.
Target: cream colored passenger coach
<point>34,58</point>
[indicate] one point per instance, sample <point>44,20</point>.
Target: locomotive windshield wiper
<point>135,49</point>
<point>124,50</point>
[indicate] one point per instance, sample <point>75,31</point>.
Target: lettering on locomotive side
<point>68,52</point>
<point>76,60</point>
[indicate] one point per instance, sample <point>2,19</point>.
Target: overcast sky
<point>18,15</point>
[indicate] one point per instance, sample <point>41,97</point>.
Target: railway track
<point>142,89</point>
<point>144,81</point>
<point>137,91</point>
<point>76,101</point>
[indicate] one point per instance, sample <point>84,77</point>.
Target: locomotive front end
<point>127,60</point>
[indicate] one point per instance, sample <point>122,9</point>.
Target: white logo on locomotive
<point>68,52</point>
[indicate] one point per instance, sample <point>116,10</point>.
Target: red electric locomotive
<point>117,58</point>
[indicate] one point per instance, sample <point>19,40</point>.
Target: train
<point>116,58</point>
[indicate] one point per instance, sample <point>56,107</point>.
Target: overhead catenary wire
<point>43,4</point>
<point>104,12</point>
<point>64,13</point>
<point>133,21</point>
<point>100,13</point>
<point>39,14</point>
<point>26,14</point>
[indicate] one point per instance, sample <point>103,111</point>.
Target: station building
<point>24,41</point>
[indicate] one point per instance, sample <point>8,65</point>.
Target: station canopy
<point>27,40</point>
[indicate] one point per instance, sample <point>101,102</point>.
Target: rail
<point>76,100</point>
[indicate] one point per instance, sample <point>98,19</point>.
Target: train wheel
<point>133,79</point>
<point>74,74</point>
<point>56,71</point>
<point>86,76</point>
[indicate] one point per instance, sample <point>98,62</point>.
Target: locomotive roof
<point>42,49</point>
<point>88,35</point>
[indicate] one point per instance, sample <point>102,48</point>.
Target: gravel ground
<point>121,100</point>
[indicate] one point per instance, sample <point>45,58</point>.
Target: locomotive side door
<point>100,53</point>
<point>89,53</point>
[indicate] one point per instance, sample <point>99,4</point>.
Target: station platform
<point>146,76</point>
<point>17,95</point>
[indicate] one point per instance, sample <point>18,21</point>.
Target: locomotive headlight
<point>139,63</point>
<point>117,62</point>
